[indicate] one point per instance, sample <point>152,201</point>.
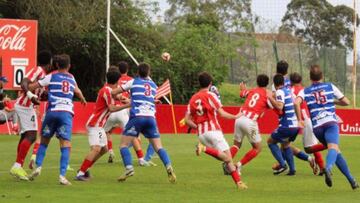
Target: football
<point>165,56</point>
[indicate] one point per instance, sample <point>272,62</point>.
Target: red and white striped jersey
<point>304,108</point>
<point>101,111</point>
<point>122,81</point>
<point>255,104</point>
<point>34,75</point>
<point>203,107</point>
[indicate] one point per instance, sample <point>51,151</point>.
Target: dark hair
<point>123,67</point>
<point>315,73</point>
<point>295,78</point>
<point>278,80</point>
<point>205,79</point>
<point>282,67</point>
<point>44,58</point>
<point>262,80</point>
<point>113,75</point>
<point>62,61</point>
<point>144,70</point>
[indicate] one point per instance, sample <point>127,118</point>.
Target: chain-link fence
<point>263,57</point>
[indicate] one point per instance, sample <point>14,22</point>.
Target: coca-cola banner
<point>18,48</point>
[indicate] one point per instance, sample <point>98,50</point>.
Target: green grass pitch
<point>200,179</point>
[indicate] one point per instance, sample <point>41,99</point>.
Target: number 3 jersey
<point>142,94</point>
<point>61,88</point>
<point>255,104</point>
<point>320,100</point>
<point>202,108</point>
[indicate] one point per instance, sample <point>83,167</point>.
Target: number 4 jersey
<point>202,108</point>
<point>61,88</point>
<point>255,104</point>
<point>320,100</point>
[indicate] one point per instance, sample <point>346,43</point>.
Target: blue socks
<point>275,150</point>
<point>40,155</point>
<point>164,157</point>
<point>303,156</point>
<point>342,165</point>
<point>126,157</point>
<point>149,152</point>
<point>289,159</point>
<point>64,160</point>
<point>331,159</point>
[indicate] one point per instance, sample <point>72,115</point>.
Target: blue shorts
<point>58,122</point>
<point>145,125</point>
<point>328,133</point>
<point>285,134</point>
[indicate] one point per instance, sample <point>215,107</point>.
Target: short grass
<point>200,179</point>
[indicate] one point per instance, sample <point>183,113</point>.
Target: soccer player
<point>59,115</point>
<point>282,69</point>
<point>201,115</point>
<point>120,118</point>
<point>97,136</point>
<point>288,126</point>
<point>25,109</point>
<point>142,120</point>
<point>254,107</point>
<point>321,99</point>
<point>309,138</point>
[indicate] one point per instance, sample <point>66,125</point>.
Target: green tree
<point>226,15</point>
<point>78,28</point>
<point>319,23</point>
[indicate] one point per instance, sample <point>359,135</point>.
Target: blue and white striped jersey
<point>61,88</point>
<point>288,118</point>
<point>320,100</point>
<point>142,93</point>
<point>287,84</point>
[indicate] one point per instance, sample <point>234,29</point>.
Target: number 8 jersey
<point>320,100</point>
<point>255,104</point>
<point>61,88</point>
<point>202,107</point>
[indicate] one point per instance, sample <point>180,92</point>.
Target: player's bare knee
<point>333,146</point>
<point>257,146</point>
<point>237,143</point>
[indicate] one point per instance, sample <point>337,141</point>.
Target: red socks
<point>212,152</point>
<point>233,150</point>
<point>317,148</point>
<point>86,165</point>
<point>235,176</point>
<point>249,156</point>
<point>109,145</point>
<point>23,149</point>
<point>36,147</point>
<point>319,160</point>
<point>139,154</point>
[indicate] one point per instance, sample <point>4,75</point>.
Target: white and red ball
<point>165,56</point>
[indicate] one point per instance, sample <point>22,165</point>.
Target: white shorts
<point>97,136</point>
<point>117,119</point>
<point>246,127</point>
<point>27,118</point>
<point>214,139</point>
<point>309,138</point>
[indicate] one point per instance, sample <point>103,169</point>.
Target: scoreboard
<point>18,49</point>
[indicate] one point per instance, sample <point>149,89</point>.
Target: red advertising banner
<point>267,124</point>
<point>18,48</point>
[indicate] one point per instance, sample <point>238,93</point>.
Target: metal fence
<point>262,58</point>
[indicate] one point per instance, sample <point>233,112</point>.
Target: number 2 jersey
<point>255,104</point>
<point>61,88</point>
<point>202,107</point>
<point>320,101</point>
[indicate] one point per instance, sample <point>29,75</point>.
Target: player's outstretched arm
<point>342,102</point>
<point>28,88</point>
<point>189,121</point>
<point>297,104</point>
<point>116,91</point>
<point>276,104</point>
<point>78,93</point>
<point>227,115</point>
<point>114,108</point>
